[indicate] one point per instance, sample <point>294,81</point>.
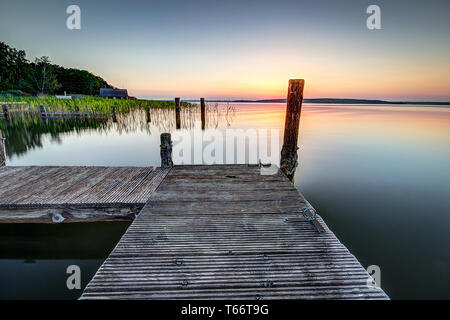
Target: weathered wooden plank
<point>224,207</point>
<point>144,190</point>
<point>37,179</point>
<point>194,195</point>
<point>223,172</point>
<point>92,184</point>
<point>253,293</point>
<point>67,215</point>
<point>35,194</point>
<point>45,188</point>
<point>86,180</point>
<point>219,232</point>
<point>235,185</point>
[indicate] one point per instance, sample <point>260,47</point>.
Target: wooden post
<point>166,150</point>
<point>43,114</point>
<point>2,151</point>
<point>5,111</point>
<point>203,111</point>
<point>149,118</point>
<point>77,113</point>
<point>289,157</point>
<point>114,113</point>
<point>177,113</point>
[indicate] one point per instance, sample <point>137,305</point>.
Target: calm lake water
<point>378,175</point>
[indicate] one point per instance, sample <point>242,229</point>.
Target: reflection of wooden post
<point>177,113</point>
<point>289,157</point>
<point>43,114</point>
<point>2,151</point>
<point>77,113</point>
<point>203,111</point>
<point>5,111</point>
<point>114,113</point>
<point>166,150</point>
<point>149,118</point>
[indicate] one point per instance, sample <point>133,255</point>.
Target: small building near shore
<point>64,97</point>
<point>113,93</point>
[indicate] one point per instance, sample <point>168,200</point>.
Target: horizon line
<point>316,100</point>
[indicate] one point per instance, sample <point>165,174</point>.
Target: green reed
<point>87,104</point>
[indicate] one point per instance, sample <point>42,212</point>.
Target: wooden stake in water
<point>177,113</point>
<point>149,118</point>
<point>5,111</point>
<point>166,150</point>
<point>2,151</point>
<point>289,156</point>
<point>77,113</point>
<point>203,111</point>
<point>114,113</point>
<point>43,114</point>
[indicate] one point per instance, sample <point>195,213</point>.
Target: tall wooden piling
<point>177,113</point>
<point>203,111</point>
<point>148,114</point>
<point>5,111</point>
<point>43,114</point>
<point>2,151</point>
<point>77,113</point>
<point>114,113</point>
<point>289,157</point>
<point>166,150</point>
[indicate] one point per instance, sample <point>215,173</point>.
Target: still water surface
<point>378,175</point>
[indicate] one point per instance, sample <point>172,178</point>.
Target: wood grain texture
<point>2,151</point>
<point>33,194</point>
<point>219,232</point>
<point>68,214</point>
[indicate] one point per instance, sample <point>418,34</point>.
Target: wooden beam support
<point>114,113</point>
<point>177,113</point>
<point>203,111</point>
<point>67,214</point>
<point>5,111</point>
<point>166,150</point>
<point>148,114</point>
<point>44,116</point>
<point>2,151</point>
<point>289,157</point>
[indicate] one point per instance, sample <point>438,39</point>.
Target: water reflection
<point>379,176</point>
<point>25,131</point>
<point>34,258</point>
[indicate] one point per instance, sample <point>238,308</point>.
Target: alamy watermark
<point>229,146</point>
<point>74,280</point>
<point>374,280</point>
<point>373,22</point>
<point>73,21</point>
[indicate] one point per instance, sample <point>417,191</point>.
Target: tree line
<point>18,75</point>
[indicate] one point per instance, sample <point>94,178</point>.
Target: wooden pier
<point>205,232</point>
<point>220,232</point>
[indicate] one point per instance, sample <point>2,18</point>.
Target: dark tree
<point>12,66</point>
<point>40,77</point>
<point>17,73</point>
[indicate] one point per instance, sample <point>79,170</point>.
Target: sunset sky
<point>242,48</point>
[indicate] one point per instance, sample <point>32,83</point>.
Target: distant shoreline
<point>336,101</point>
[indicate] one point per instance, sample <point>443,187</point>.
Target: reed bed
<point>86,104</point>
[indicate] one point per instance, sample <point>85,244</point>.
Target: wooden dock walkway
<point>71,194</point>
<point>219,232</point>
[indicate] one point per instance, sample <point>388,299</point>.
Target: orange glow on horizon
<point>266,76</point>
